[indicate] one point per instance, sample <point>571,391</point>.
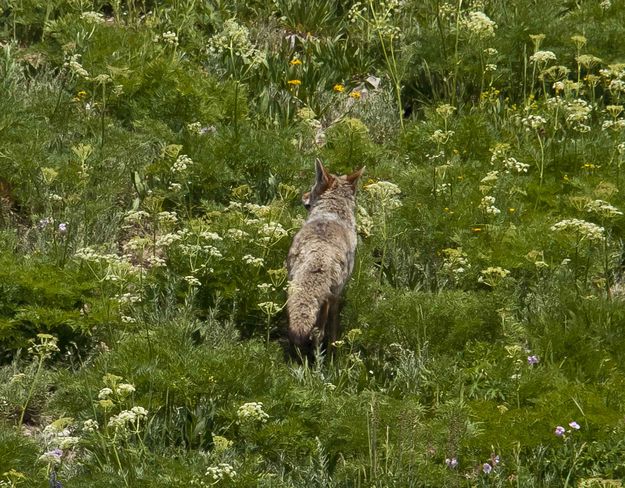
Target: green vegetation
<point>152,159</point>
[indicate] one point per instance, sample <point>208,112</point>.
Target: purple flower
<point>560,431</point>
<point>532,360</point>
<point>63,227</point>
<point>574,425</point>
<point>451,462</point>
<point>487,468</point>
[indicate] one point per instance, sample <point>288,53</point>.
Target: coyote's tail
<point>303,310</point>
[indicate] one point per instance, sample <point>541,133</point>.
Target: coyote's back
<point>321,260</point>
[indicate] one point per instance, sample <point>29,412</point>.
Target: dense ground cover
<point>152,159</point>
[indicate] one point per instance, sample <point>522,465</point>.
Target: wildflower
<point>533,122</point>
<point>531,360</point>
<point>43,223</point>
<point>605,4</point>
<point>294,82</point>
<point>602,208</point>
<point>537,39</point>
<point>574,425</point>
<point>93,17</point>
<point>251,412</point>
<point>579,40</point>
<point>295,62</point>
<point>487,468</point>
<point>192,280</point>
<point>479,24</point>
<point>582,228</point>
<point>90,425</point>
<point>74,65</point>
<point>52,457</point>
<point>139,411</point>
<point>542,57</point>
<point>559,431</point>
<point>451,463</point>
<point>488,205</point>
<point>490,178</point>
<point>254,261</point>
<point>105,393</point>
<point>124,389</point>
<point>492,275</point>
<point>385,193</point>
<point>234,41</point>
<point>511,164</point>
<point>63,227</point>
<point>181,163</point>
<point>356,95</point>
<point>339,88</point>
<point>221,472</point>
<point>445,110</point>
<point>441,136</point>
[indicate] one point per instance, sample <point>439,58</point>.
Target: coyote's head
<point>326,181</point>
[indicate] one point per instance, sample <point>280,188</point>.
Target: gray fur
<point>321,260</point>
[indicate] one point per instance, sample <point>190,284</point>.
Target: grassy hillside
<point>152,160</point>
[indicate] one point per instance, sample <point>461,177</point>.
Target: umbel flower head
<point>581,228</point>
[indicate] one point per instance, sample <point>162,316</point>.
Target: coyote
<point>320,261</point>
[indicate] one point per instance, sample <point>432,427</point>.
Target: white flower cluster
<point>441,136</point>
<point>251,412</point>
<point>234,40</point>
<point>543,57</point>
<point>121,389</point>
<point>488,205</point>
<point>254,261</point>
<point>479,24</point>
<point>168,37</point>
<point>93,17</point>
<point>258,210</point>
<point>75,67</point>
<point>455,261</point>
<point>533,122</point>
<point>617,86</point>
<point>166,240</point>
<point>223,471</point>
<point>384,193</point>
<point>237,234</point>
<point>272,231</point>
<point>125,418</point>
<point>582,228</point>
<point>602,208</point>
<point>490,178</point>
<point>182,162</point>
<point>511,164</point>
<point>613,124</point>
<point>577,111</point>
<point>90,425</point>
<point>499,151</point>
<point>210,236</point>
<point>167,217</point>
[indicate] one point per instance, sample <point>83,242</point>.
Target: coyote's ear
<point>323,177</point>
<point>354,177</point>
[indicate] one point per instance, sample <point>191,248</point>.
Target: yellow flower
<point>356,95</point>
<point>512,210</point>
<point>339,88</point>
<point>296,61</point>
<point>294,82</point>
<point>476,229</point>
